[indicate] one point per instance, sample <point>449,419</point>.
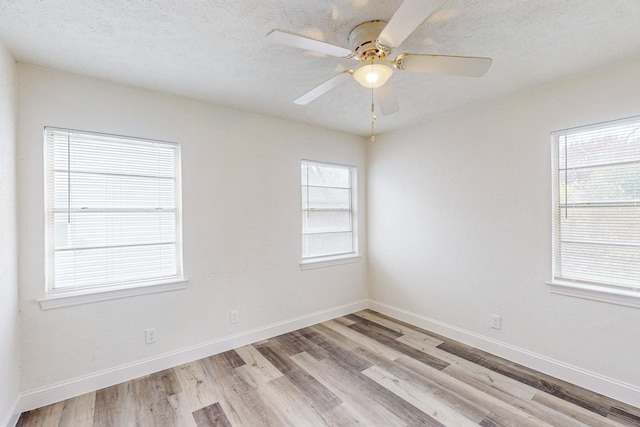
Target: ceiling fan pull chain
<point>373,116</point>
<point>373,137</point>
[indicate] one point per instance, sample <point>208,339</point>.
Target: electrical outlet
<point>234,316</point>
<point>150,335</point>
<point>495,321</point>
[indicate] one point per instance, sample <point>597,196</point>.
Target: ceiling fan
<point>371,43</point>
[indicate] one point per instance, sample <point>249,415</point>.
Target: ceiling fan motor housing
<point>362,40</point>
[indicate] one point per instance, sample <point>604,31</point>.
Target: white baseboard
<point>32,399</point>
<point>11,419</point>
<point>624,392</point>
<point>67,389</point>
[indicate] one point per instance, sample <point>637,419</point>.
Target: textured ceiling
<point>216,50</point>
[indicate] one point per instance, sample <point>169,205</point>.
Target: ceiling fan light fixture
<point>373,74</point>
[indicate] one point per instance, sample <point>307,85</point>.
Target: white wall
<point>459,216</point>
<point>9,316</point>
<point>241,202</point>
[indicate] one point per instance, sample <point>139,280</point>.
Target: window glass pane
<point>114,155</point>
<point>112,209</point>
<point>603,144</point>
<point>603,264</point>
<point>326,176</point>
<point>327,244</point>
<point>602,224</point>
<point>95,229</point>
<point>327,211</point>
<point>597,184</point>
<point>91,267</point>
<point>110,191</point>
<point>322,221</point>
<point>326,198</point>
<point>597,190</point>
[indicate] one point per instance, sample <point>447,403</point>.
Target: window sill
<point>328,261</point>
<point>602,293</point>
<point>60,299</point>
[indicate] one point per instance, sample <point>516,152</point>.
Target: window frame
<point>88,293</point>
<point>609,292</point>
<point>320,261</point>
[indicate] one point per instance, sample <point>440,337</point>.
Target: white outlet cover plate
<point>150,335</point>
<point>495,321</point>
<point>234,316</point>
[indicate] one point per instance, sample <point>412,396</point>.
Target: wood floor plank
<point>375,327</point>
<point>456,395</point>
<point>363,369</point>
<point>327,372</point>
<point>510,411</point>
<point>363,340</point>
<point>343,416</point>
<point>625,409</point>
<point>540,381</point>
<point>405,325</point>
<point>399,327</point>
<point>460,393</point>
<point>342,350</point>
<point>47,416</point>
<point>222,365</point>
<point>152,406</point>
<point>509,391</point>
<point>289,344</point>
<point>115,405</point>
<point>254,359</point>
<point>276,355</point>
<point>477,376</point>
<point>351,317</point>
<point>377,394</point>
<point>418,397</point>
<point>489,421</point>
<point>578,413</point>
<point>318,394</point>
<point>298,342</point>
<point>399,346</point>
<point>505,389</point>
<point>244,406</point>
<point>291,403</point>
<point>78,411</point>
<point>624,417</point>
<point>211,416</point>
<point>344,321</point>
<point>197,385</point>
<point>182,409</point>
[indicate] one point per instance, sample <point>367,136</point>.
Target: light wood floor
<point>364,369</point>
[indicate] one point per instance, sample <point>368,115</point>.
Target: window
<point>596,216</point>
<point>328,220</point>
<point>112,210</point>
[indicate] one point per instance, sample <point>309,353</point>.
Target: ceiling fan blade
<point>386,98</point>
<point>409,15</point>
<point>471,66</point>
<point>295,40</point>
<point>325,87</point>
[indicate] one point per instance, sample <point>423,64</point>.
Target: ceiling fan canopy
<point>371,43</point>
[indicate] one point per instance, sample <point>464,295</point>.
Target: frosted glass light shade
<point>373,75</point>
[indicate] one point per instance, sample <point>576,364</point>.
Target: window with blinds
<point>327,210</point>
<point>597,204</point>
<point>112,210</point>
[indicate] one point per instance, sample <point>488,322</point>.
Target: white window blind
<point>113,210</point>
<point>327,209</point>
<point>597,204</point>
